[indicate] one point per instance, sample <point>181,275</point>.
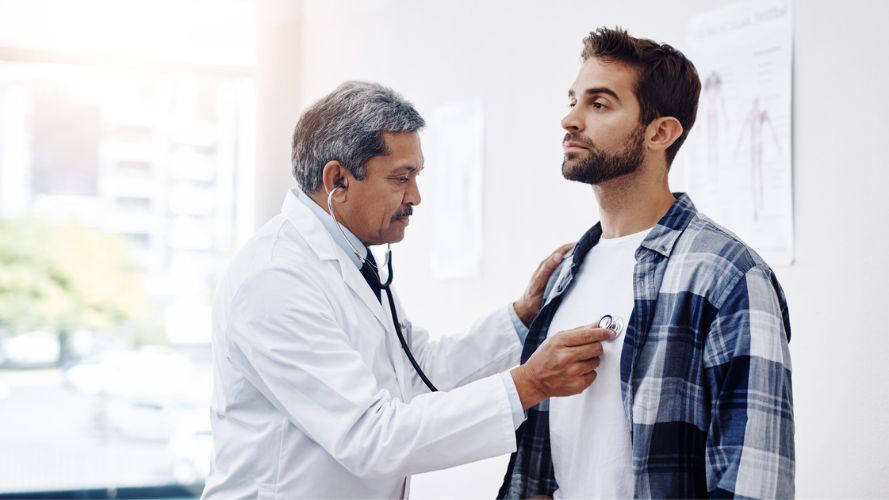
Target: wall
<point>520,57</point>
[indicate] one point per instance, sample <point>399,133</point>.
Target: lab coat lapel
<point>354,280</point>
<point>400,361</point>
<point>320,241</point>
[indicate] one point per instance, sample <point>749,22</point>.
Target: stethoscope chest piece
<point>613,323</point>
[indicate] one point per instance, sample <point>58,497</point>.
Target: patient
<point>694,398</point>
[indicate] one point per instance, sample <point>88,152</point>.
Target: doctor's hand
<point>564,365</point>
<point>529,304</point>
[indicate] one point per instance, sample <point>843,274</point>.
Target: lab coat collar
<point>309,227</point>
<point>321,242</point>
<point>342,236</point>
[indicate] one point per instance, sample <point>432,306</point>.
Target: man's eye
<point>599,105</point>
<point>402,180</point>
<point>571,104</point>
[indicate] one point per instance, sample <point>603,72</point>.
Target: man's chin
<point>574,157</point>
<point>394,236</point>
<point>573,171</point>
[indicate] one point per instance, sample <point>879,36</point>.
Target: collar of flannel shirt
<point>660,239</point>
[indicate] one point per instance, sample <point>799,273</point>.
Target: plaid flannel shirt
<point>705,369</point>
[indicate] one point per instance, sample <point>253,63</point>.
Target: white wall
<point>520,57</point>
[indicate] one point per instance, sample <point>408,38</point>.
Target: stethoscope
<point>613,323</point>
<point>384,286</point>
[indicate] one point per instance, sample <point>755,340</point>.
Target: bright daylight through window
<point>126,167</point>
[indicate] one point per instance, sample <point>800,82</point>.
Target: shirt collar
<point>342,238</point>
<point>660,239</point>
<point>664,235</point>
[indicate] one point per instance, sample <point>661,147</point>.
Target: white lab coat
<point>313,396</point>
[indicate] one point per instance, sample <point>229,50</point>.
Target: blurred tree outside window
<point>126,183</point>
<point>63,277</point>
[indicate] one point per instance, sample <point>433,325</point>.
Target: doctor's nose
<point>412,194</point>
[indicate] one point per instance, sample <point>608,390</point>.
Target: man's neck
<point>632,203</point>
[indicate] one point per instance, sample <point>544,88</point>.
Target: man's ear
<point>335,176</point>
<point>663,132</point>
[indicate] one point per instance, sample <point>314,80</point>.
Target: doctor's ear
<point>334,176</point>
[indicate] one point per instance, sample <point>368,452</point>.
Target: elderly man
<point>323,391</point>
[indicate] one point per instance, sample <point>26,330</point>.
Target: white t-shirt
<point>589,433</point>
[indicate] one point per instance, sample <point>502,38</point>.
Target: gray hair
<point>347,125</point>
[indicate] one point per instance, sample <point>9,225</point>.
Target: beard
<point>598,166</point>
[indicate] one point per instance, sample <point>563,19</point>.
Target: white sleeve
<point>491,346</point>
<point>284,338</point>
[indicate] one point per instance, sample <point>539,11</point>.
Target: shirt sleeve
<point>518,413</point>
<point>520,329</point>
<point>747,370</point>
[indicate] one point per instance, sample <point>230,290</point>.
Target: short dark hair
<point>347,125</point>
<point>667,83</point>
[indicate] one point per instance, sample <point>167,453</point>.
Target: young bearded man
<point>694,399</point>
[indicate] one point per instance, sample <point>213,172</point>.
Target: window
<point>124,189</point>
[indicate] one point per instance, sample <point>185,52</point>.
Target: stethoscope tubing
<point>384,286</point>
<point>401,339</point>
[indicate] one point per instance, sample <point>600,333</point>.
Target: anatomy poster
<point>738,155</point>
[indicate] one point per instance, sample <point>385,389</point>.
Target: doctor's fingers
<point>557,256</point>
<point>585,366</point>
<point>548,265</point>
<point>552,261</point>
<point>586,352</point>
<point>582,335</point>
<point>581,379</point>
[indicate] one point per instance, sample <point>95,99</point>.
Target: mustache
<point>407,212</point>
<point>572,137</point>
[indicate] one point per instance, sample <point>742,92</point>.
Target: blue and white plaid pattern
<point>705,369</point>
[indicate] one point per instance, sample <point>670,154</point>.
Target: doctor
<point>313,394</point>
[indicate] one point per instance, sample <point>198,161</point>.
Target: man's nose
<point>412,195</point>
<point>572,122</point>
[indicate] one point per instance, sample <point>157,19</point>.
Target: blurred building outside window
<point>124,190</point>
